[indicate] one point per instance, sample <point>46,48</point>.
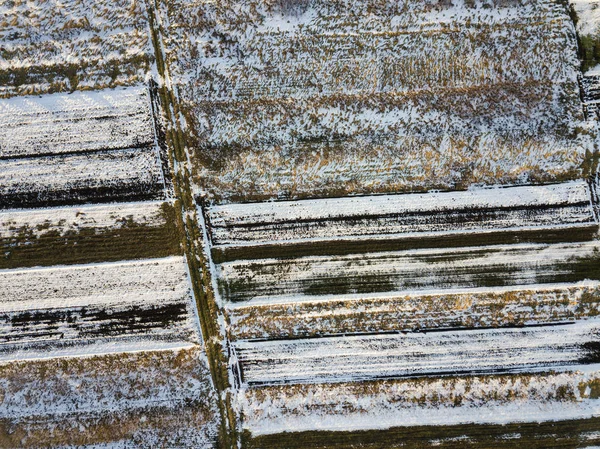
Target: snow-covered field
<point>350,358</point>
<point>78,122</point>
<point>266,280</point>
<point>553,206</point>
<point>96,308</point>
<point>475,308</point>
<point>63,220</point>
<point>80,178</point>
<point>418,402</point>
<point>318,99</point>
<point>53,45</point>
<point>142,399</point>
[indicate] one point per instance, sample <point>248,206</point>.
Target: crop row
<point>329,62</point>
<point>86,234</point>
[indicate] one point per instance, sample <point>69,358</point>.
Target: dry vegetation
<point>416,312</point>
<point>163,399</point>
<point>49,46</point>
<point>323,99</point>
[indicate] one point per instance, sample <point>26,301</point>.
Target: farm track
<point>166,105</point>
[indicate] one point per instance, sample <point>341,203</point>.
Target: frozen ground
<point>528,207</point>
<point>160,398</point>
<point>346,358</point>
<point>127,174</point>
<point>78,122</point>
<point>96,308</point>
<point>588,13</point>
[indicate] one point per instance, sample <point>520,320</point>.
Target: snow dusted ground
<point>473,308</point>
<point>96,308</point>
<point>75,218</point>
<point>77,122</point>
<point>78,178</point>
<point>347,358</point>
<point>553,206</point>
<point>53,45</point>
<point>265,280</point>
<point>142,399</point>
<point>418,402</point>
